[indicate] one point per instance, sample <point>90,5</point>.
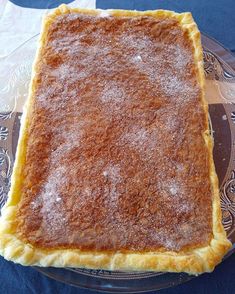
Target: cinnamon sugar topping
<point>115,154</point>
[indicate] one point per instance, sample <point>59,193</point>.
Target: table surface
<point>215,18</point>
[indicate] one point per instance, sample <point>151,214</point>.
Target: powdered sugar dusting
<point>113,93</point>
<point>140,139</point>
<point>174,188</point>
<point>52,209</point>
<point>70,136</point>
<point>68,44</point>
<point>174,86</point>
<point>112,171</point>
<point>152,58</point>
<point>65,72</point>
<point>111,126</point>
<point>180,56</point>
<point>171,122</point>
<point>105,173</point>
<point>137,58</point>
<point>179,167</point>
<point>170,187</point>
<point>113,176</point>
<point>139,43</point>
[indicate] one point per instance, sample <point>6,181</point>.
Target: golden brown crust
<point>194,261</point>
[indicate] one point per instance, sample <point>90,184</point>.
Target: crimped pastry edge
<point>193,261</point>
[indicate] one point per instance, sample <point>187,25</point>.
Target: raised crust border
<point>193,261</point>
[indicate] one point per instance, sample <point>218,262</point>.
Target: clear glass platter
<point>219,66</point>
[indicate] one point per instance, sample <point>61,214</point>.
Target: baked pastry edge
<point>196,261</point>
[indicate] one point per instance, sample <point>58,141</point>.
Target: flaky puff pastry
<point>194,261</point>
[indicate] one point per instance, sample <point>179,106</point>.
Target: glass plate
<point>219,65</point>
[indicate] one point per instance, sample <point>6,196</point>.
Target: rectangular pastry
<point>114,166</point>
